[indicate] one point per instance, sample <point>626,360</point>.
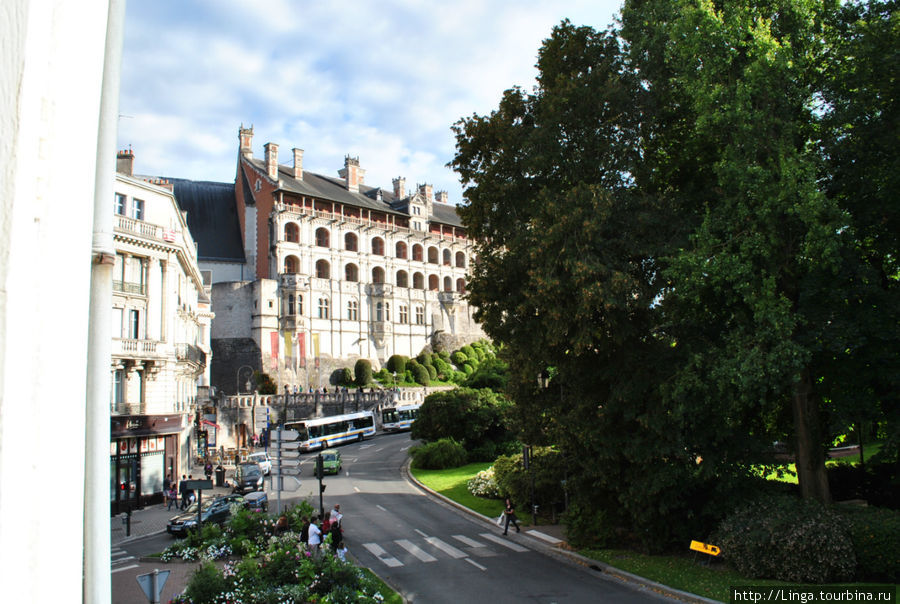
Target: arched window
<point>417,252</point>
<point>378,246</point>
<point>418,281</point>
<point>290,304</point>
<point>292,233</point>
<point>433,255</point>
<point>377,275</point>
<point>323,269</point>
<point>351,272</point>
<point>433,283</point>
<point>461,286</point>
<point>291,265</point>
<point>323,237</point>
<point>402,279</point>
<point>448,284</point>
<point>400,250</point>
<point>460,260</point>
<point>446,257</point>
<point>351,243</point>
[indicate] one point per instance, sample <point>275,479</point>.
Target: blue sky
<point>382,81</point>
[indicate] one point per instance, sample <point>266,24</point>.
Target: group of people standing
<point>316,529</point>
<point>175,490</point>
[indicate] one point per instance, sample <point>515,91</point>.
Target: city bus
<point>325,432</point>
<point>401,417</point>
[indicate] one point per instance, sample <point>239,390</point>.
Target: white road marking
<point>415,550</point>
<point>118,570</point>
<point>356,489</point>
<point>544,536</point>
<point>475,564</point>
<point>377,551</point>
<point>380,508</point>
<point>445,547</point>
<point>467,541</point>
<point>406,447</point>
<point>421,533</point>
<point>504,542</point>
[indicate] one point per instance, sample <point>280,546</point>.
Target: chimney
<point>125,162</point>
<point>442,197</point>
<point>352,173</point>
<point>246,137</point>
<point>298,164</point>
<point>271,160</point>
<point>427,191</point>
<point>399,187</point>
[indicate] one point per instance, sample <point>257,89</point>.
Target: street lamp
<point>247,384</point>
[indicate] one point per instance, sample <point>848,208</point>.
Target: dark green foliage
<point>432,372</point>
<point>264,383</point>
<point>424,359</point>
<point>468,368</point>
<point>343,377</point>
<point>474,418</point>
<point>397,362</point>
<point>468,351</point>
<point>588,527</point>
<point>876,539</point>
<point>362,371</point>
<point>458,358</point>
<point>205,584</point>
<point>785,538</point>
<point>878,483</point>
<point>419,373</point>
<point>439,455</point>
<point>547,468</point>
<point>493,373</point>
<point>444,369</point>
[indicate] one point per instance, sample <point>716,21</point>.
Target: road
<point>427,550</point>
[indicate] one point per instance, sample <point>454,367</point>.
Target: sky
<point>383,80</point>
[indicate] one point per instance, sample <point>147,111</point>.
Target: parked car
<point>331,461</point>
<point>261,458</point>
<point>256,501</point>
<point>216,510</point>
<point>247,477</point>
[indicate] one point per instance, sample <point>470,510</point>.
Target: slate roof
<point>212,217</point>
<point>334,189</point>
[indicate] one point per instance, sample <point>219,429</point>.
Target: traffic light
<point>320,467</point>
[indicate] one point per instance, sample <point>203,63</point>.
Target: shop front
<point>143,450</point>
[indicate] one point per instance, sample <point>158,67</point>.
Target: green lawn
<point>789,472</point>
<point>452,484</point>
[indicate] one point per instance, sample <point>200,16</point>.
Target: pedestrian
<point>326,524</point>
<point>208,469</point>
<point>182,490</point>
<point>282,525</point>
<point>336,515</point>
<point>510,512</point>
<point>341,552</point>
<point>192,497</point>
<point>172,496</point>
<point>304,531</point>
<point>337,535</point>
<point>315,535</point>
<point>167,485</point>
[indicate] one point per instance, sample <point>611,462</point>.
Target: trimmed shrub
<point>432,372</point>
<point>458,358</point>
<point>344,377</point>
<point>588,527</point>
<point>397,362</point>
<point>439,455</point>
<point>876,538</point>
<point>484,484</point>
<point>363,372</point>
<point>468,351</point>
<point>420,374</point>
<point>468,368</point>
<point>788,539</point>
<point>424,359</point>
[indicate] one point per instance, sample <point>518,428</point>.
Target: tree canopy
<point>668,227</point>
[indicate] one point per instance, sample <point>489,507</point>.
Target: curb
<point>606,569</point>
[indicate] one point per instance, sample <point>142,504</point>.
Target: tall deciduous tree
<point>659,221</point>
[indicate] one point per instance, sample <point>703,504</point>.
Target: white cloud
<point>383,81</point>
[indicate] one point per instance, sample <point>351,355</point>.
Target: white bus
<point>401,417</point>
<point>324,432</point>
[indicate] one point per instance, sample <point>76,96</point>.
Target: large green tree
<point>659,223</point>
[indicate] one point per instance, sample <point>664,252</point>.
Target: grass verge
<point>452,484</point>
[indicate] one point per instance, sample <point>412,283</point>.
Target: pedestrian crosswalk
<point>431,549</point>
<point>121,560</point>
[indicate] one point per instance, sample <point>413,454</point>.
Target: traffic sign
<point>284,435</point>
<point>152,584</point>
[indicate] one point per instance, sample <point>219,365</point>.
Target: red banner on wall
<point>274,339</point>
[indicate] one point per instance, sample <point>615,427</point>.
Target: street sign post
<point>287,460</point>
<point>152,584</point>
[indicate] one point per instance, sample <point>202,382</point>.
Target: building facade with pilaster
<point>160,340</point>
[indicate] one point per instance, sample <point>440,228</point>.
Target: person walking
<point>208,469</point>
<point>182,490</point>
<point>167,485</point>
<point>510,513</point>
<point>304,531</point>
<point>336,515</point>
